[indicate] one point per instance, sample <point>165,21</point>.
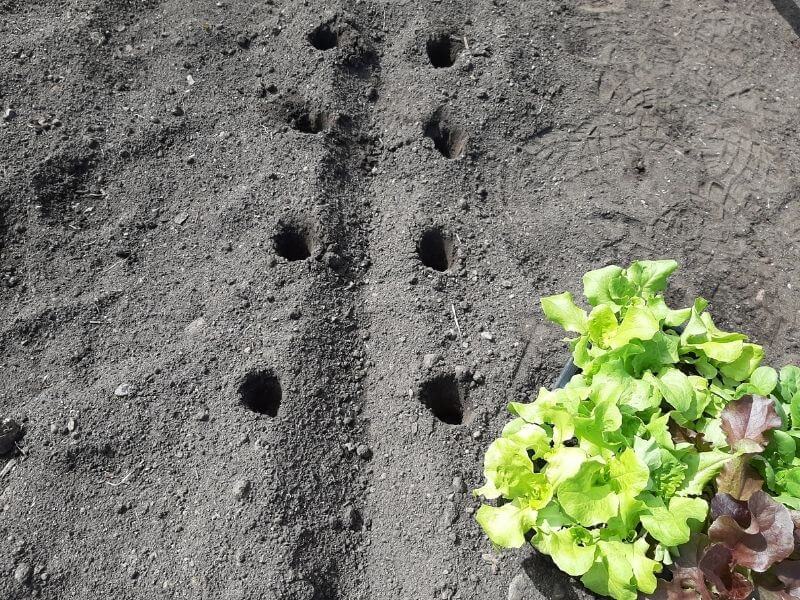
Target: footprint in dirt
<point>304,117</point>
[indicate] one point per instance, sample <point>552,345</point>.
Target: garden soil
<point>269,270</point>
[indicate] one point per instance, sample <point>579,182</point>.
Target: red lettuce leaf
<point>717,565</point>
<point>796,520</point>
<point>771,587</point>
<point>739,479</point>
<point>698,565</point>
<point>686,584</point>
<point>768,539</point>
<point>726,505</point>
<point>688,581</point>
<point>745,421</point>
<point>788,572</point>
<point>767,593</point>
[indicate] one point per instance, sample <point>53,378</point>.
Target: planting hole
<point>444,398</point>
<point>292,242</point>
<point>260,391</point>
<point>443,50</point>
<point>310,121</point>
<point>449,140</point>
<point>435,249</point>
<point>323,37</point>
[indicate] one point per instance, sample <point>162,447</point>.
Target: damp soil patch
<point>435,249</point>
<point>446,399</point>
<point>260,391</point>
<point>443,50</point>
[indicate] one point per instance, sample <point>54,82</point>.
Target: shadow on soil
<point>790,11</point>
<point>547,581</point>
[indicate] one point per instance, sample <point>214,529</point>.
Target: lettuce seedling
<point>610,475</point>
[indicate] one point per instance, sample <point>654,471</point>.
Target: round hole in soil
<point>450,141</point>
<point>445,399</point>
<point>260,391</point>
<point>323,37</point>
<point>292,243</point>
<point>443,50</point>
<point>435,249</point>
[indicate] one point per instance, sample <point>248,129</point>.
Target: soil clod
<point>260,391</point>
<point>443,50</point>
<point>292,242</point>
<point>435,249</point>
<point>445,399</point>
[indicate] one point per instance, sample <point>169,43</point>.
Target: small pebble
<point>23,573</point>
<point>124,389</point>
<point>241,489</point>
<point>430,360</point>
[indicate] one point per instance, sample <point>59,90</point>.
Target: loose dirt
<point>269,270</point>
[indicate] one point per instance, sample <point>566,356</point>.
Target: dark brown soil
<point>269,270</point>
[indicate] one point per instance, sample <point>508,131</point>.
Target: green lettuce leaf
<point>622,569</point>
<point>701,467</point>
<point>588,496</point>
<point>572,549</point>
<point>506,525</point>
<point>607,286</point>
<point>651,276</point>
<point>508,470</point>
<point>673,525</point>
<point>789,383</point>
<point>561,309</point>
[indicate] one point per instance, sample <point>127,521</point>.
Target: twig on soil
<point>114,265</point>
<point>8,468</point>
<point>121,482</point>
<point>455,318</point>
<point>466,43</point>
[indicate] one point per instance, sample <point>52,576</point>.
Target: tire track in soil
<point>322,462</point>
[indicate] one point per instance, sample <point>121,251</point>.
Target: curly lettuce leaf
<point>506,525</point>
<point>588,496</point>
